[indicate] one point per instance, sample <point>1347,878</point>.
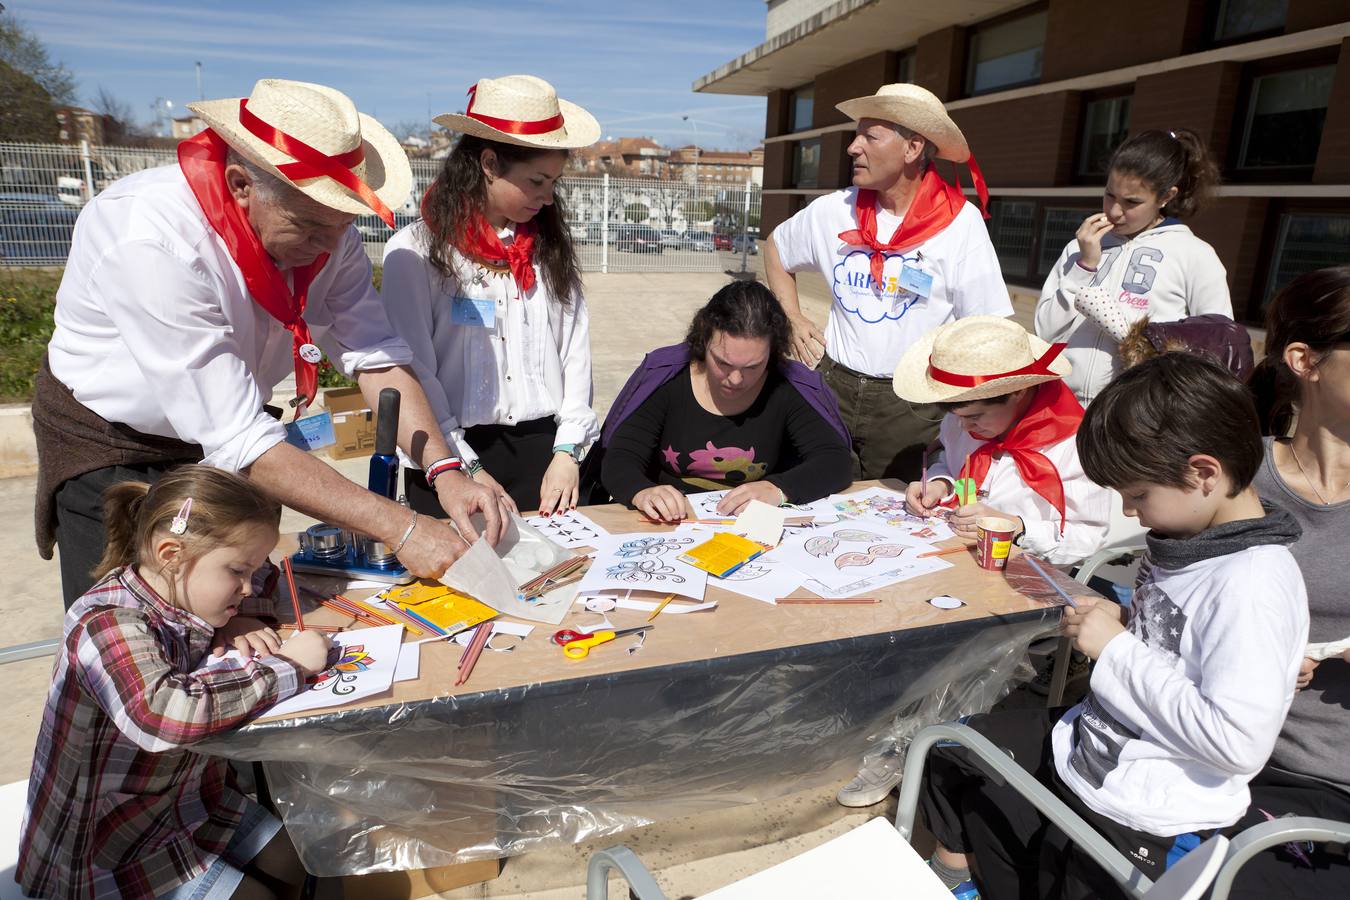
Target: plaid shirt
<point>118,806</point>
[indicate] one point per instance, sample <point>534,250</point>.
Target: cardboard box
<point>420,882</point>
<point>353,423</point>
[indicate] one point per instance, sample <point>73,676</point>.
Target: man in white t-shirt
<point>903,252</point>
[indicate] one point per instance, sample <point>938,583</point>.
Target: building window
<point>803,102</point>
<point>1283,126</point>
<point>1105,125</point>
<point>1305,242</point>
<point>1012,228</point>
<point>1237,19</point>
<point>904,67</point>
<point>1058,228</point>
<point>1005,54</point>
<point>806,164</point>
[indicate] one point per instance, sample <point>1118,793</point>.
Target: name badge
<point>312,432</point>
<point>916,280</point>
<point>474,313</point>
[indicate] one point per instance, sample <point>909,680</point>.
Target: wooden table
<point>736,705</point>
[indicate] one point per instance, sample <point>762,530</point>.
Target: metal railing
<point>618,224</point>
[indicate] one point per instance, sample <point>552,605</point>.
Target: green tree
<point>636,212</point>
<point>22,50</point>
<point>26,112</point>
<point>698,210</point>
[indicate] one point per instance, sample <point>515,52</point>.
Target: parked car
<point>637,239</point>
<point>35,229</point>
<point>721,241</point>
<point>699,240</point>
<point>750,243</point>
<point>671,238</point>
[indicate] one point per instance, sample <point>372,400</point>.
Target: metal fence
<point>618,224</point>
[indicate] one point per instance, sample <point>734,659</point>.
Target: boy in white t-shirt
<point>1187,697</point>
<point>902,252</point>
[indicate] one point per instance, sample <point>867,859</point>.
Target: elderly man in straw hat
<point>903,252</point>
<point>192,290</point>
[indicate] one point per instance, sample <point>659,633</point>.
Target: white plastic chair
<point>1270,834</point>
<point>868,855</point>
<point>13,802</point>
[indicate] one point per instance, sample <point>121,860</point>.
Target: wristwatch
<point>576,451</point>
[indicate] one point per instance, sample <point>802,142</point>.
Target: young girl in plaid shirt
<point>119,805</point>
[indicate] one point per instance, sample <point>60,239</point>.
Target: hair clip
<point>1173,135</point>
<point>180,521</point>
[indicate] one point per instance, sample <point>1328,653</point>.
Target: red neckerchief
<point>202,159</point>
<point>1054,415</point>
<point>481,242</point>
<point>933,208</point>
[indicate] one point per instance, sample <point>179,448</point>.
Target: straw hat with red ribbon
<point>976,358</point>
<point>312,138</point>
<point>523,110</point>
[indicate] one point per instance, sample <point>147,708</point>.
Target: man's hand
<point>962,519</point>
<point>924,501</point>
<point>560,487</point>
<point>738,498</point>
<point>432,547</point>
<point>251,637</point>
<point>1092,625</point>
<point>461,497</point>
<point>805,334</point>
<point>662,502</point>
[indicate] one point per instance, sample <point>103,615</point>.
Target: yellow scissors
<point>577,645</point>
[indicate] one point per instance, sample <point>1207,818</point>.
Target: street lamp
<point>697,149</point>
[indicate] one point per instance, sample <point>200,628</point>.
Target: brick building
<point>1044,92</point>
<point>638,157</point>
<point>729,168</point>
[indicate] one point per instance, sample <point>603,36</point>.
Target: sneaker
<point>1079,667</point>
<point>875,780</point>
<point>966,890</point>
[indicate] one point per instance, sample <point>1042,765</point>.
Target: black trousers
<point>1278,872</point>
<point>516,455</point>
<point>1017,852</point>
<point>80,538</point>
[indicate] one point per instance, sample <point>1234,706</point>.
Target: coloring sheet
<point>878,505</point>
<point>838,555</point>
<point>762,578</point>
<point>570,529</point>
<point>645,562</point>
<point>910,567</point>
<point>705,507</point>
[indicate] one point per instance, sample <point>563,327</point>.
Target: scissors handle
<point>566,636</point>
<point>582,648</point>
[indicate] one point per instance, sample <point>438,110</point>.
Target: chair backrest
<point>1124,532</point>
<point>1260,837</point>
<point>1191,876</point>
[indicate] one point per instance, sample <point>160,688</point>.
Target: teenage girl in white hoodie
<point>1137,249</point>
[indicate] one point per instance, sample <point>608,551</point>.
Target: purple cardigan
<point>664,363</point>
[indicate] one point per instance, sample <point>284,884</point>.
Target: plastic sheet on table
<point>500,773</point>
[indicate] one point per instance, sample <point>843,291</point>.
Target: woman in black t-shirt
<point>738,415</point>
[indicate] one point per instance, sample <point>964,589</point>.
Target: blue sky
<point>630,63</point>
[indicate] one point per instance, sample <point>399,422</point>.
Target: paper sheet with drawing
<point>764,578</point>
<point>570,529</point>
<point>837,555</point>
<point>493,575</point>
<point>877,505</point>
<point>705,507</point>
<point>645,562</point>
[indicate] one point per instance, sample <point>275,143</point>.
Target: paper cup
<point>995,536</point>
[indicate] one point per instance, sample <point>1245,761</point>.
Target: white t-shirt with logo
<point>870,329</point>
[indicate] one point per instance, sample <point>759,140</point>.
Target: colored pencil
<point>326,629</point>
<point>842,601</point>
<point>473,651</point>
<point>349,611</point>
<point>295,595</point>
<point>401,614</point>
<point>532,587</point>
<point>435,629</point>
<point>662,605</point>
<point>369,609</point>
<point>1045,576</point>
<point>945,551</point>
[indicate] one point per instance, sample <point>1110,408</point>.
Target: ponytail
<point>135,514</point>
<point>1167,159</point>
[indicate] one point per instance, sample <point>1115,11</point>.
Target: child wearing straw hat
<point>903,252</point>
<point>1010,425</point>
<point>486,290</point>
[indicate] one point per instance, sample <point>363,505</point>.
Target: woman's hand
<point>1089,237</point>
<point>251,637</point>
<point>963,518</point>
<point>1092,625</point>
<point>1305,673</point>
<point>662,502</point>
<point>558,491</point>
<point>923,501</point>
<point>738,498</point>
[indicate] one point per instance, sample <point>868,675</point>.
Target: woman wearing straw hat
<point>192,291</point>
<point>903,253</point>
<point>1010,425</point>
<point>486,290</point>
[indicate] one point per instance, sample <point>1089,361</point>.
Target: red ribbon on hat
<point>955,379</point>
<point>312,163</point>
<point>513,126</point>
